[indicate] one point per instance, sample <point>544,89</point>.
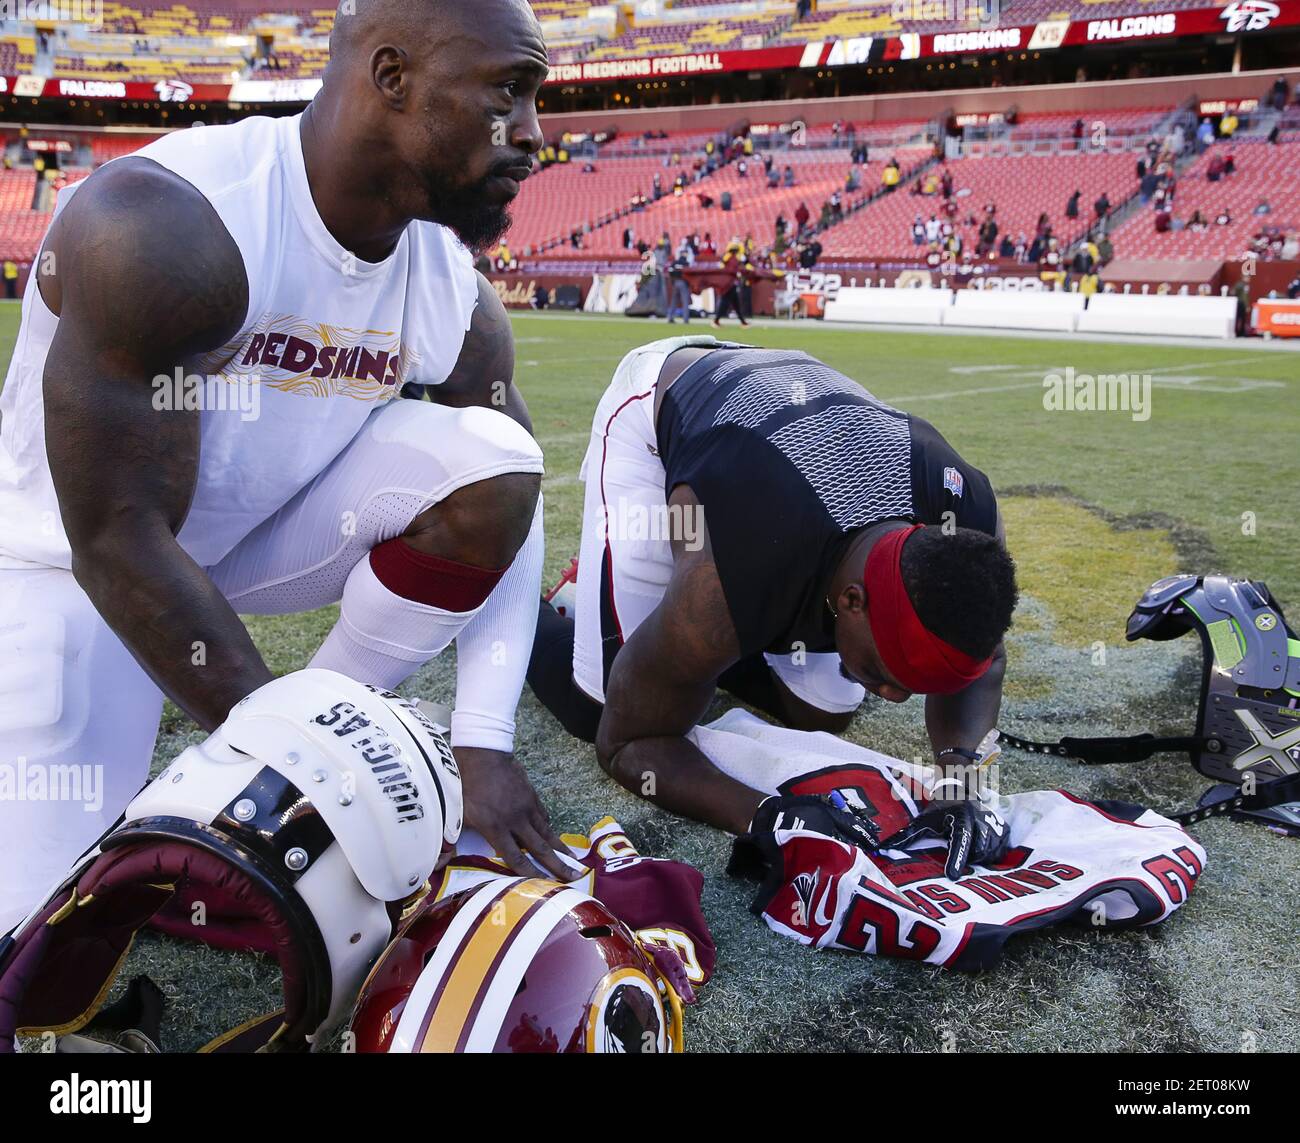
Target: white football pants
<point>79,717</point>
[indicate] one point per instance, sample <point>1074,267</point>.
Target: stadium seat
<point>1264,174</point>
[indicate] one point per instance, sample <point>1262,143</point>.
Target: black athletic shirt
<point>790,460</point>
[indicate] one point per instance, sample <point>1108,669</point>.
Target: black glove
<point>976,835</point>
<point>818,813</point>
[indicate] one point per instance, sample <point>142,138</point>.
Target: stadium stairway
<point>909,176</point>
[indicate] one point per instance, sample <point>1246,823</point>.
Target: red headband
<point>921,661</point>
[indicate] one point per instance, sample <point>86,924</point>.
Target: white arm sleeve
<point>492,652</point>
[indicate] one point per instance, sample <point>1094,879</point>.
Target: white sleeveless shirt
<point>327,340</point>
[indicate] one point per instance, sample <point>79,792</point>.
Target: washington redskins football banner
<point>1236,17</point>
<point>1232,18</point>
<point>1104,865</point>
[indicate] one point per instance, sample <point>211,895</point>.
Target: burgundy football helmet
<point>516,965</point>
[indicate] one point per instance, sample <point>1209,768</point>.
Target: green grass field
<point>1098,506</point>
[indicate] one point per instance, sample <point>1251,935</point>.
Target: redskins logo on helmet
<point>516,965</point>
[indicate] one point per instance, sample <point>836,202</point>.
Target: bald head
<point>447,90</point>
<point>428,26</point>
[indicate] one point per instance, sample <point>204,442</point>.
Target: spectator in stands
<point>1007,248</point>
<point>930,184</point>
<point>725,201</point>
<point>679,292</point>
<point>1050,269</point>
<point>38,168</point>
<point>706,200</point>
<point>1021,251</point>
<point>1204,135</point>
<point>742,169</point>
<point>1042,227</point>
<point>854,181</point>
<point>629,238</point>
<point>988,236</point>
<point>1229,165</point>
<point>1076,132</point>
<point>1072,207</point>
<point>801,217</point>
<point>837,206</point>
<point>1293,288</point>
<point>1263,207</point>
<point>11,279</point>
<point>773,178</point>
<point>1102,206</point>
<point>803,9</point>
<point>891,175</point>
<point>788,178</point>
<point>1197,222</point>
<point>1035,251</point>
<point>708,251</point>
<point>945,183</point>
<point>918,232</point>
<point>933,229</point>
<point>1277,94</point>
<point>1223,218</point>
<point>1141,169</point>
<point>1164,218</point>
<point>1228,125</point>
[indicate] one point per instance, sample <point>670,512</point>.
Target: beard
<point>477,221</point>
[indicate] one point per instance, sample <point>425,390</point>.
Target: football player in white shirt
<point>291,275</point>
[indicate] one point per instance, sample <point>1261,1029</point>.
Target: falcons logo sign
<point>173,91</point>
<point>1249,15</point>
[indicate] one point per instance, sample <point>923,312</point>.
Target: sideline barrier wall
<point>1168,314</point>
<point>998,309</point>
<point>889,305</point>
